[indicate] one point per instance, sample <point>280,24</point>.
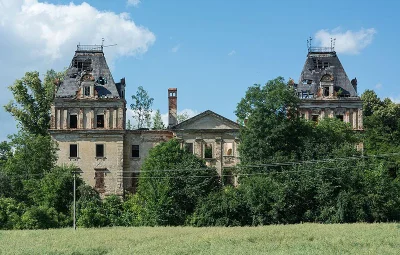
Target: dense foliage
<point>292,170</point>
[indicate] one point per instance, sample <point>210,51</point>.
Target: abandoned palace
<point>88,119</point>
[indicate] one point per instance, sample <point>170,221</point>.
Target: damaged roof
<point>88,67</point>
<point>320,63</point>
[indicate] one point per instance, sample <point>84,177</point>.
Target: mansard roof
<point>207,120</point>
<point>88,66</point>
<point>323,62</point>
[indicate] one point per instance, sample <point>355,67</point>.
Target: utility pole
<point>74,172</point>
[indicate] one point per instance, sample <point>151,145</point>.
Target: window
<point>100,121</point>
<point>73,121</point>
<point>86,91</point>
<point>339,117</point>
<point>314,118</point>
<point>208,150</point>
<point>188,147</point>
<point>135,182</point>
<point>135,151</point>
<point>99,150</point>
<point>326,91</point>
<point>228,149</point>
<point>73,150</point>
<point>99,180</point>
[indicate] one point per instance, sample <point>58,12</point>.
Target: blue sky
<point>212,51</point>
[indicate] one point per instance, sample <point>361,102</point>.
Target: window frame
<point>231,147</point>
<point>212,150</point>
<point>97,121</point>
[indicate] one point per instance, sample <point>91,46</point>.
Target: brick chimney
<point>172,107</point>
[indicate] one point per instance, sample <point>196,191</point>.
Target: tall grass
<point>277,239</point>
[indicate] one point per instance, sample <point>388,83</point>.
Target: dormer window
<point>86,91</point>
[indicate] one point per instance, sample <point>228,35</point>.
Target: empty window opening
<point>101,80</point>
<point>228,149</point>
<point>208,150</point>
<point>188,147</point>
<point>172,94</point>
<point>73,121</point>
<point>99,150</point>
<point>99,180</point>
<point>83,64</point>
<point>135,151</point>
<point>73,150</point>
<point>314,118</point>
<point>339,117</point>
<point>100,121</point>
<point>86,91</point>
<point>326,91</point>
<point>326,64</point>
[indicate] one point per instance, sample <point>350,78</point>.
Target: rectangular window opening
<point>339,117</point>
<point>326,91</point>
<point>73,150</point>
<point>86,91</point>
<point>208,150</point>
<point>99,180</point>
<point>100,121</point>
<point>314,118</point>
<point>99,150</point>
<point>188,147</point>
<point>73,121</point>
<point>228,149</point>
<point>135,151</point>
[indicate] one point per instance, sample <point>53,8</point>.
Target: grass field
<point>277,239</point>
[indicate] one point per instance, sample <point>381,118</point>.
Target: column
<point>92,118</point>
<point>114,118</point>
<point>58,123</point>
<point>355,119</point>
<point>64,119</point>
<point>360,119</point>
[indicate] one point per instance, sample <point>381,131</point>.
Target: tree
<point>33,99</point>
<point>157,121</point>
<point>141,107</point>
<point>273,129</point>
<point>182,117</point>
<point>170,184</point>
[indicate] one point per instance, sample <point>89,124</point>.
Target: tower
<point>88,120</point>
<point>325,89</point>
<point>172,107</point>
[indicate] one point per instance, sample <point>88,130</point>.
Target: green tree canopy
<point>170,184</point>
<point>141,107</point>
<point>158,124</point>
<point>33,99</point>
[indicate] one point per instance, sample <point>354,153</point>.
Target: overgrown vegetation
<point>292,170</point>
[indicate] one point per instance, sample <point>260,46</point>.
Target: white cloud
<point>378,86</point>
<point>176,48</point>
<point>348,42</point>
<point>39,36</point>
<point>133,2</point>
<point>233,52</point>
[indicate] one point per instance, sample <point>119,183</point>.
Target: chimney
<point>172,106</point>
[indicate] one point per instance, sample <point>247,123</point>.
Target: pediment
<point>207,120</point>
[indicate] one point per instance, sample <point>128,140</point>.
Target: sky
<point>210,50</point>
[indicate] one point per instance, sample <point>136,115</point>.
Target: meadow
<point>275,239</point>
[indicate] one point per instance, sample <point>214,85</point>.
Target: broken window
<point>326,64</point>
<point>228,149</point>
<point>73,150</point>
<point>99,150</point>
<point>314,118</point>
<point>82,64</point>
<point>100,121</point>
<point>339,117</point>
<point>86,91</point>
<point>135,151</point>
<point>326,91</point>
<point>73,121</point>
<point>99,180</point>
<point>208,150</point>
<point>188,147</point>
